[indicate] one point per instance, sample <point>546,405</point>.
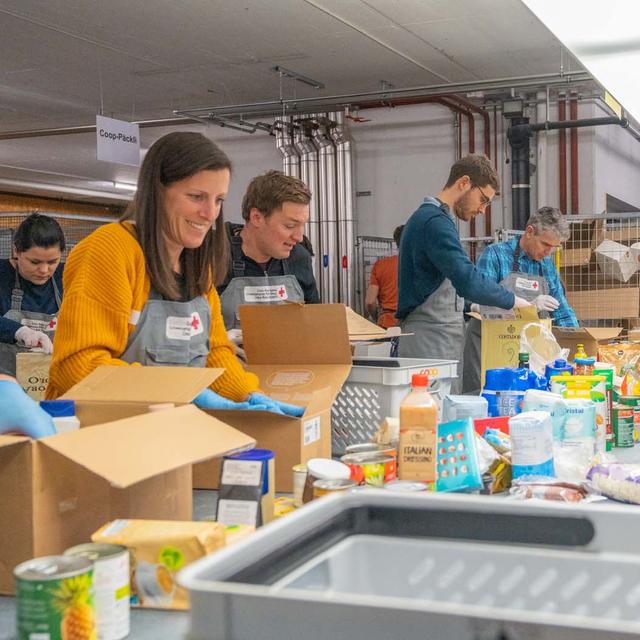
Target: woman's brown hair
<point>174,157</point>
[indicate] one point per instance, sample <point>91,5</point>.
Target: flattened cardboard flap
<point>295,334</point>
<point>128,451</point>
<point>143,384</point>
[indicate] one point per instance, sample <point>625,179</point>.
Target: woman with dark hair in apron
<point>142,290</point>
<point>30,289</point>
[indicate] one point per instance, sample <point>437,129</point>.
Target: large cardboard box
<point>605,304</point>
<point>58,490</point>
<point>500,342</point>
<point>585,237</point>
<point>301,355</point>
<point>590,337</point>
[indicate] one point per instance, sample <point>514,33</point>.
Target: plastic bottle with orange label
<point>418,430</point>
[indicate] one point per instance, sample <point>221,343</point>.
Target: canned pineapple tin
<point>371,468</point>
<point>55,599</point>
<point>110,585</point>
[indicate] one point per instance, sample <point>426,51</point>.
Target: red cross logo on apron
<point>535,285</point>
<point>281,292</point>
<point>53,323</point>
<point>195,323</point>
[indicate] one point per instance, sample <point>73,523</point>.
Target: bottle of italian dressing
<point>418,432</point>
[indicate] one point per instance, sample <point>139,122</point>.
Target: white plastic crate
<point>373,391</point>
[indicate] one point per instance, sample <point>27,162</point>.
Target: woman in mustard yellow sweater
<point>143,290</point>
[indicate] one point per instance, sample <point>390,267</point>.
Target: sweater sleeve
<point>103,277</point>
<point>444,250</point>
<point>235,383</point>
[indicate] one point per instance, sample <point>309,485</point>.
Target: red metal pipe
<point>487,227</point>
<point>562,153</point>
<point>573,137</point>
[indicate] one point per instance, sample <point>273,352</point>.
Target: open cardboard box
<point>301,355</point>
<point>590,337</point>
<point>58,490</point>
<point>500,342</point>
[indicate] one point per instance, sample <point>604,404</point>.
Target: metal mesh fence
<point>75,228</point>
<point>599,269</point>
<point>369,249</point>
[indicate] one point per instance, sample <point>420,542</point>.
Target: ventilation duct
<point>285,144</point>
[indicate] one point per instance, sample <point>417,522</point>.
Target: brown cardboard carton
<point>32,373</point>
<point>58,490</point>
<point>301,355</point>
<point>605,304</point>
<point>158,549</point>
<point>585,237</point>
<point>590,337</point>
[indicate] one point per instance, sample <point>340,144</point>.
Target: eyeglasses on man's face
<point>485,200</point>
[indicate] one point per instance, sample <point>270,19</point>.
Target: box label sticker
<point>247,473</point>
<point>290,378</point>
<point>183,328</point>
<point>237,512</point>
<point>311,430</point>
<point>267,293</point>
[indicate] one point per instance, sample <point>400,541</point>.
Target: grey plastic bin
<point>373,391</point>
<point>370,565</point>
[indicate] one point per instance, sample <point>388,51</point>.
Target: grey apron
<point>437,325</point>
<point>171,333</point>
<point>44,322</point>
<point>524,285</point>
<point>255,289</point>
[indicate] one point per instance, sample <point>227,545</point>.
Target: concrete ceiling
<point>63,61</point>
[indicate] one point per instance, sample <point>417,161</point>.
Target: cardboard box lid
<point>360,329</point>
<point>143,384</point>
<point>295,334</point>
<point>128,451</point>
<point>8,441</point>
<point>587,333</point>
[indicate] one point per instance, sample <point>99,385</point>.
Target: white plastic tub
<point>373,391</point>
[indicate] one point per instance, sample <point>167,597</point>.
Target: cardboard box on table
<point>590,337</point>
<point>301,355</point>
<point>58,490</point>
<point>500,343</point>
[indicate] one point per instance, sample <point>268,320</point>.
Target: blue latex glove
<point>275,406</point>
<point>208,399</point>
<point>20,414</point>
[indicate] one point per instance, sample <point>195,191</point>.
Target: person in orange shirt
<point>381,299</point>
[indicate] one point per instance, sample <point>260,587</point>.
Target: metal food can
<point>623,419</point>
<point>110,586</point>
<point>299,478</point>
<point>406,486</point>
<point>363,447</point>
<point>329,487</point>
<point>55,599</point>
<point>370,468</point>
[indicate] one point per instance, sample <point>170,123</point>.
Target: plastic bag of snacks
<point>620,354</point>
<point>617,481</point>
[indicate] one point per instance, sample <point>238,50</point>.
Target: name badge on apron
<point>183,328</point>
<point>527,285</point>
<point>266,293</point>
<point>40,325</point>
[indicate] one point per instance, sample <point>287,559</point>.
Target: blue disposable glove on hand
<point>21,414</point>
<point>275,406</point>
<point>208,399</point>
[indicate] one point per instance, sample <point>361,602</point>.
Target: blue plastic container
<point>558,368</point>
<point>504,389</point>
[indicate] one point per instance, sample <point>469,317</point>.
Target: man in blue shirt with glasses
<point>525,266</point>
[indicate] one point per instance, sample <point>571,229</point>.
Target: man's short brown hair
<point>271,190</point>
<point>479,169</point>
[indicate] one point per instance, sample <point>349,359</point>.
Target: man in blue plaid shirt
<point>530,254</point>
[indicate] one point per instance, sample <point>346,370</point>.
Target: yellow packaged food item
<point>158,550</point>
